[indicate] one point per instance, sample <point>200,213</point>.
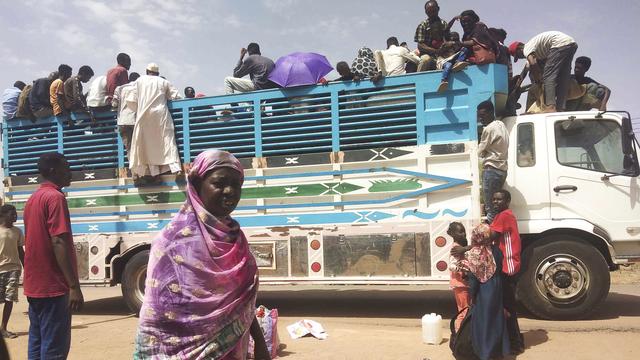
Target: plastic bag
<point>268,321</point>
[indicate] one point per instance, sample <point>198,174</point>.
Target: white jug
<point>432,329</point>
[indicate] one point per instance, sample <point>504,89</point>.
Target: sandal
<point>8,334</point>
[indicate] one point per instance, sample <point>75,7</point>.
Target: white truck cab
<point>574,183</point>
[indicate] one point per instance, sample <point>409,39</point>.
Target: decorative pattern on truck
<point>317,192</point>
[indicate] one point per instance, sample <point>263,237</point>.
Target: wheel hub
<point>562,278</point>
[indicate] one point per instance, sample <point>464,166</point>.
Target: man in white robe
<point>153,144</point>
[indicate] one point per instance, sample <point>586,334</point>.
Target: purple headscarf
<point>202,281</point>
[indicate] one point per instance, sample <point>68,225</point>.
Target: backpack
<point>460,343</point>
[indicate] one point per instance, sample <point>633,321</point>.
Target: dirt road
<point>371,323</point>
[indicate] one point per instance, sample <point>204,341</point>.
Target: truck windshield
<point>590,144</point>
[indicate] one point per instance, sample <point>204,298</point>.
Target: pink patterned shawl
<point>202,281</point>
<point>480,258</point>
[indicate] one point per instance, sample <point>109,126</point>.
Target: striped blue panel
<point>398,111</point>
<point>378,118</point>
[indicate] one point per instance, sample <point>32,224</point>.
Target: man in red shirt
<point>50,270</point>
<point>504,232</point>
<point>118,75</point>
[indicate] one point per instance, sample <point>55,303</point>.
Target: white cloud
<point>98,10</point>
<point>232,21</point>
<point>144,28</point>
<point>279,6</point>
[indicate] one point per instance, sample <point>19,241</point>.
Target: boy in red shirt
<point>50,271</point>
<point>504,232</point>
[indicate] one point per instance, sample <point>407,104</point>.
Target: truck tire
<point>564,278</point>
<point>133,280</point>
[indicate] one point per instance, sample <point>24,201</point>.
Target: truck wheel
<point>564,278</point>
<point>133,280</point>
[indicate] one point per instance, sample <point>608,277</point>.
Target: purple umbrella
<point>300,69</point>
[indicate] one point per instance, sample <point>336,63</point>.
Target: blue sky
<point>197,43</point>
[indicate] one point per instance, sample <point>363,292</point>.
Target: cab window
<point>526,146</point>
<point>590,144</point>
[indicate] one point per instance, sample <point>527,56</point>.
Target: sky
<point>197,43</point>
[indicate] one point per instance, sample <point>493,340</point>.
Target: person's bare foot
<point>549,109</point>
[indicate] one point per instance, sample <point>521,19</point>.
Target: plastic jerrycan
<point>432,329</point>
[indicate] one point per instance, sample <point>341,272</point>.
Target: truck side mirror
<point>630,166</point>
<point>627,137</point>
<point>630,162</point>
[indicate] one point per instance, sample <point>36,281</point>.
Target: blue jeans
<point>446,68</point>
<point>492,181</point>
<point>49,328</point>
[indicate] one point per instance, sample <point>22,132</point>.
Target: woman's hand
<point>459,251</point>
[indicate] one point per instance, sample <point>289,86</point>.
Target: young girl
<point>458,267</point>
<point>453,58</point>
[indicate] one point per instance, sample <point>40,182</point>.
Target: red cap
<point>513,48</point>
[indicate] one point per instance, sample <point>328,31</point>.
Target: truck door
<point>585,151</point>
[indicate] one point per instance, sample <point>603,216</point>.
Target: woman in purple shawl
<point>202,279</point>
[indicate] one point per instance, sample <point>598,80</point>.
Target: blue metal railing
<point>399,111</point>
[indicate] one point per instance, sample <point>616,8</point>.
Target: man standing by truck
<point>50,270</point>
<point>494,144</point>
<point>505,233</point>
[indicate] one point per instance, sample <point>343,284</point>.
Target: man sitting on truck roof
<point>10,100</point>
<point>258,68</point>
<point>345,72</point>
<point>556,49</point>
<point>39,100</point>
<point>190,93</point>
<point>118,75</point>
<point>391,61</point>
<point>97,95</point>
<point>430,35</point>
<point>75,100</point>
<point>597,95</point>
<point>492,151</point>
<point>56,91</point>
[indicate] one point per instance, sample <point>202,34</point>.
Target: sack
<point>483,55</point>
<point>268,320</point>
<point>460,343</point>
<point>24,106</point>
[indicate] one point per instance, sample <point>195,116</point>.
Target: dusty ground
<point>626,275</point>
<point>367,323</point>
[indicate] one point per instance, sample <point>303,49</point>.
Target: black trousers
<point>509,302</point>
